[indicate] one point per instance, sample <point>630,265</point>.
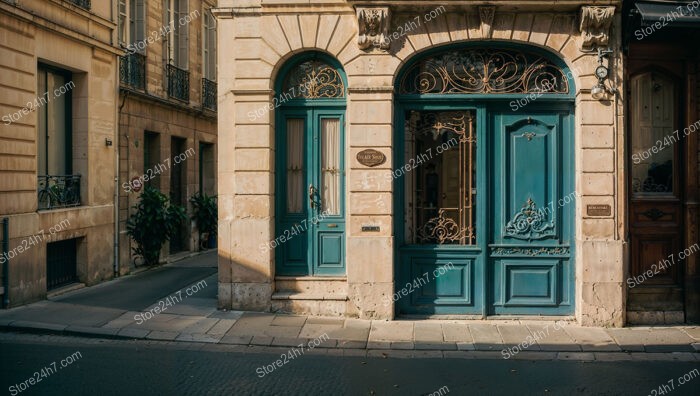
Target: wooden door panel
<point>654,259</point>
<point>655,206</point>
<point>530,265</point>
<point>647,214</point>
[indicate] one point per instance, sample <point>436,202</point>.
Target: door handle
<point>312,191</point>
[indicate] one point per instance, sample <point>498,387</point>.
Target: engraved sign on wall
<point>371,157</point>
<point>598,210</point>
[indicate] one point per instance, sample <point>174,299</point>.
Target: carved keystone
<point>373,28</point>
<point>595,25</point>
<point>486,16</point>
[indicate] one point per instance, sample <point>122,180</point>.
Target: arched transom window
<point>313,79</point>
<point>484,71</point>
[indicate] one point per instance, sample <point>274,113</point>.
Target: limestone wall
<point>61,35</point>
<point>261,36</point>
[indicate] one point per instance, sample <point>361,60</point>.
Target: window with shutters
<point>209,61</point>
<point>132,26</point>
<point>209,46</point>
<point>178,38</point>
<point>177,46</point>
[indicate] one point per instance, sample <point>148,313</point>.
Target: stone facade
<point>65,36</point>
<point>264,34</point>
<point>151,110</point>
<point>108,120</point>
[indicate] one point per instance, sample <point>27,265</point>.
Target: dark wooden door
<point>177,191</point>
<point>656,191</point>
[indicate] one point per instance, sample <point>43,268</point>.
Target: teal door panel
<point>293,248</point>
<point>530,174</point>
<point>530,265</point>
<point>439,285</point>
<point>328,181</point>
<point>439,270</point>
<point>330,253</point>
<point>310,185</point>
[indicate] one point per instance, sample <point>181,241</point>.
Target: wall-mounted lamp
<point>108,142</point>
<point>600,90</point>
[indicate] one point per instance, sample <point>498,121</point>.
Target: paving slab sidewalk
<point>195,319</point>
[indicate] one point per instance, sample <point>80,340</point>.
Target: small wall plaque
<point>371,157</point>
<point>598,210</point>
<point>370,228</point>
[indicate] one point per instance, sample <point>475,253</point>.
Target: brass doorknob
<point>312,191</point>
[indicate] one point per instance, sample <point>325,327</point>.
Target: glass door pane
<point>653,137</point>
<point>330,166</point>
<point>295,165</point>
<point>440,167</point>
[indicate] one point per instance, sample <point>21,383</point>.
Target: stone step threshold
<point>290,295</point>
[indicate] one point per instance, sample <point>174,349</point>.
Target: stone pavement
<point>126,308</point>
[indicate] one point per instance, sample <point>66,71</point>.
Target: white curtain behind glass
<point>295,165</point>
<point>330,165</point>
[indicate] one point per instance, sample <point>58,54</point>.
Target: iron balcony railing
<point>82,3</point>
<point>58,191</point>
<point>178,83</point>
<point>132,70</point>
<point>209,94</point>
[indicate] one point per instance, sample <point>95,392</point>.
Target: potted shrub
<point>204,213</point>
<point>154,222</point>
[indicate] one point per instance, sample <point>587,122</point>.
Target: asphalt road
<point>114,367</point>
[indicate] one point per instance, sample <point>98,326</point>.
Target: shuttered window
<point>178,39</point>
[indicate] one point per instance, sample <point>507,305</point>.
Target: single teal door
<point>310,222</point>
<point>530,264</point>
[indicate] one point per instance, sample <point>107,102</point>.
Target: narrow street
<point>108,367</point>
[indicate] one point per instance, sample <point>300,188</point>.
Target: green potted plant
<point>204,213</point>
<point>155,221</point>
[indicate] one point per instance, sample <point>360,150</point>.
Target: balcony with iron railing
<point>209,94</point>
<point>55,192</point>
<point>132,70</point>
<point>82,3</point>
<point>178,83</point>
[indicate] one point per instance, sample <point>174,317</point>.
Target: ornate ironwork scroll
<point>484,71</point>
<point>535,251</point>
<point>313,80</point>
<point>443,177</point>
<point>529,222</point>
<point>441,230</point>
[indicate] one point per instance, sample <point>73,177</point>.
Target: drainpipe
<point>6,266</point>
<point>117,111</point>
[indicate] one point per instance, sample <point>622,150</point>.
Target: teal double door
<point>485,225</point>
<point>309,234</point>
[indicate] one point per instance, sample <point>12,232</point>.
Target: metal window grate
<point>61,263</point>
<point>132,70</point>
<point>209,94</point>
<point>178,83</point>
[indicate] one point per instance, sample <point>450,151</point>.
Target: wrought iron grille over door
<point>484,71</point>
<point>440,152</point>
